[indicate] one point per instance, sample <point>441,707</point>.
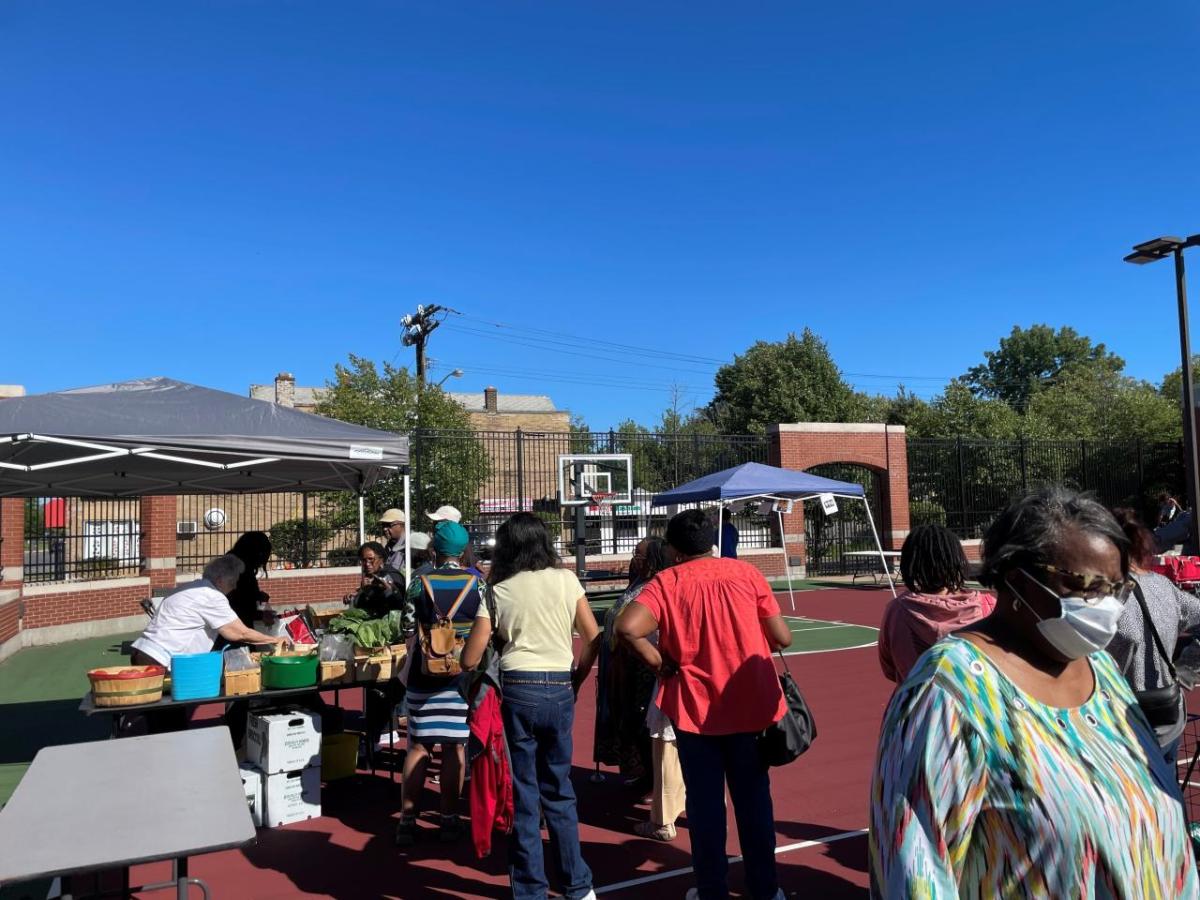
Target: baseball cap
<point>390,516</point>
<point>419,540</point>
<point>450,538</point>
<point>445,514</point>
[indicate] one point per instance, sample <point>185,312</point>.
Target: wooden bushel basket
<point>372,664</point>
<point>245,681</point>
<point>126,685</point>
<point>336,671</point>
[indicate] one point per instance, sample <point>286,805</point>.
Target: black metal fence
<point>964,484</point>
<point>81,539</point>
<point>521,474</point>
<point>307,530</point>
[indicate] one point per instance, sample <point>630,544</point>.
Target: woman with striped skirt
<point>437,709</point>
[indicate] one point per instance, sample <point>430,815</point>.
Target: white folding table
<point>108,805</point>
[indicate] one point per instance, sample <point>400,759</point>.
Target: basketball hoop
<point>597,499</point>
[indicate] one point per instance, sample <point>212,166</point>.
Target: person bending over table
<point>189,621</point>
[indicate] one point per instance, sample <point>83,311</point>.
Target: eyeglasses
<point>1091,587</point>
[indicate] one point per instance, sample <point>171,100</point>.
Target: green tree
<point>1031,359</point>
<point>1172,383</point>
<point>794,380</point>
<point>451,468</point>
<point>957,412</point>
<point>1097,404</point>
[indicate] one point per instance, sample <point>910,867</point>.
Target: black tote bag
<point>786,740</point>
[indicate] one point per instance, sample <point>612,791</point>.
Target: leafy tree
<point>794,380</point>
<point>957,412</point>
<point>450,470</point>
<point>1172,383</point>
<point>1097,404</point>
<point>1030,359</point>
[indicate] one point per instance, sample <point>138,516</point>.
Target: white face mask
<point>1082,627</point>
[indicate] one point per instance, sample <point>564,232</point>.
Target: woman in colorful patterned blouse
<point>1016,761</point>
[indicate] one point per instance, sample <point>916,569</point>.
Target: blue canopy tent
<point>755,481</point>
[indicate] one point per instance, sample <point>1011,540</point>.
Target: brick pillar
<point>285,389</point>
<point>158,517</point>
<point>781,455</point>
<point>12,542</point>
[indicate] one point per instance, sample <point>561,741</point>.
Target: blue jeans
<point>708,762</point>
<point>538,710</point>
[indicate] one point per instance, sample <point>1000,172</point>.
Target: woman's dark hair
<point>376,548</point>
<point>656,557</point>
<point>1142,548</point>
<point>253,548</point>
<point>522,545</point>
<point>690,532</point>
<point>932,560</point>
<point>1029,531</point>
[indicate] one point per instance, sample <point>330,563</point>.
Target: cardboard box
<point>284,741</point>
<point>291,796</point>
<point>252,784</point>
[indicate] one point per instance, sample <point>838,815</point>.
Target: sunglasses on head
<point>1090,587</point>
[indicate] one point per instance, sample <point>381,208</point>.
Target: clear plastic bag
<point>238,660</point>
<point>336,647</point>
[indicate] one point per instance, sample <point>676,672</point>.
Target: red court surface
<point>349,852</point>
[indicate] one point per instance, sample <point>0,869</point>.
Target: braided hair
<point>932,560</point>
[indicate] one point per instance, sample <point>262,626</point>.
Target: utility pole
<point>417,328</point>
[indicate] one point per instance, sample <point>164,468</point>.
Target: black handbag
<point>1161,705</point>
<point>793,734</point>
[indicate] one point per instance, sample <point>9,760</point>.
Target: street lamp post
<point>1152,251</point>
<point>457,373</point>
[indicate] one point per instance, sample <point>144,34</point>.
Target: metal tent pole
<point>408,531</point>
<point>787,566</point>
<point>362,521</point>
<point>887,570</point>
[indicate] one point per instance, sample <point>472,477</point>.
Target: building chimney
<point>285,389</point>
<point>489,400</point>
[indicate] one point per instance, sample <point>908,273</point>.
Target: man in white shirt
<point>189,620</point>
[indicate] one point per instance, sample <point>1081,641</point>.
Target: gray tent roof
<point>159,436</point>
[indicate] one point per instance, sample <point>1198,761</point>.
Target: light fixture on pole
<point>1153,251</point>
<point>457,373</point>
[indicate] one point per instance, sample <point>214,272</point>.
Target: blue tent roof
<point>756,480</point>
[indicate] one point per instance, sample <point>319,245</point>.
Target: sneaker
<point>406,832</point>
<point>590,895</point>
<point>451,830</point>
<point>655,832</point>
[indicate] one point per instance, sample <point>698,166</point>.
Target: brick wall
<point>883,448</point>
<point>12,541</point>
<point>10,620</point>
<point>299,587</point>
<point>70,603</point>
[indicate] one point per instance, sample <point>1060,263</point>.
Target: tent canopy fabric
<point>756,480</point>
<point>160,436</point>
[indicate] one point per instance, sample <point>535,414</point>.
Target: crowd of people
<point>1029,747</point>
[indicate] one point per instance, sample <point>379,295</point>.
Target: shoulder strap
<point>458,601</point>
<point>1141,599</point>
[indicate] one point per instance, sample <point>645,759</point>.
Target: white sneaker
<point>590,895</point>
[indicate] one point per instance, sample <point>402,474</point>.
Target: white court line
<point>675,873</point>
<point>830,650</point>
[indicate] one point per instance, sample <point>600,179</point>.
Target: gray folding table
<point>115,804</point>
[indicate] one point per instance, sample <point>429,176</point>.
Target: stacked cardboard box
<point>285,748</point>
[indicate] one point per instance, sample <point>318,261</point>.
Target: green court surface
<point>40,690</point>
<point>820,635</point>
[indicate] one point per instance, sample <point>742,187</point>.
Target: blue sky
<point>221,191</point>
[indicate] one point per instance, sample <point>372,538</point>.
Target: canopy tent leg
<point>887,570</point>
<point>408,531</point>
<point>720,526</point>
<point>787,566</point>
<point>362,521</point>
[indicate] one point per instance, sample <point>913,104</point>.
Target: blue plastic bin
<point>195,676</point>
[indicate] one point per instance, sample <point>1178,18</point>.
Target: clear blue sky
<point>221,191</point>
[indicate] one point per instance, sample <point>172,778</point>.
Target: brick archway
<point>881,448</point>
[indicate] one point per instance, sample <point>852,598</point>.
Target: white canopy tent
<point>755,481</point>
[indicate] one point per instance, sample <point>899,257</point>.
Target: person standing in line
<point>934,569</point>
<point>437,708</point>
<point>729,535</point>
<point>1172,613</point>
<point>718,623</point>
<point>1014,761</point>
<point>536,607</point>
<point>392,526</point>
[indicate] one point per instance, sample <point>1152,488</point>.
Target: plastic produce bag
<point>238,660</point>
<point>336,647</point>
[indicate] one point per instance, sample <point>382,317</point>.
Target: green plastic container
<point>289,671</point>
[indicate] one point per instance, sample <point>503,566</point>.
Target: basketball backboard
<point>581,475</point>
